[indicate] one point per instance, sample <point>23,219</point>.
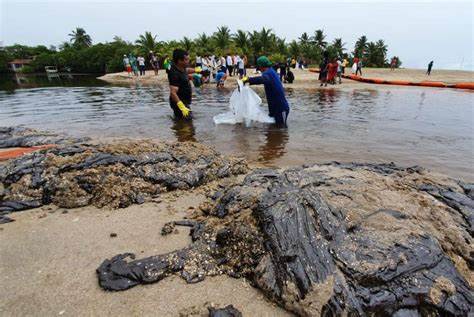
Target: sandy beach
<point>49,257</point>
<point>305,79</point>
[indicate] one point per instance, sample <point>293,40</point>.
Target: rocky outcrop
<point>114,175</point>
<point>26,137</point>
<point>330,240</point>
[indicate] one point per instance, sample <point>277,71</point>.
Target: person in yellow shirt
<point>345,62</point>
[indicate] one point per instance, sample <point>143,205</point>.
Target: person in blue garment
<point>278,107</point>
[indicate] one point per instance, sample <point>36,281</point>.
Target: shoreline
<point>57,248</point>
<point>304,79</point>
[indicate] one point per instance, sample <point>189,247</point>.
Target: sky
<point>417,32</point>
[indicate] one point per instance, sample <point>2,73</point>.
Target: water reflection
<point>327,97</point>
<point>429,127</point>
<point>21,81</point>
<point>275,144</point>
<point>184,130</point>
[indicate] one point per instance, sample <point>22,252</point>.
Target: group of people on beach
<point>134,64</point>
<point>180,74</point>
<point>331,70</point>
<point>217,68</point>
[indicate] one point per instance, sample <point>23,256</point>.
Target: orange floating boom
<point>17,152</point>
<point>437,84</point>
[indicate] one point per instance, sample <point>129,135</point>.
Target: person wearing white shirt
<point>241,67</point>
<point>222,62</point>
<point>230,64</point>
<point>141,65</point>
<point>339,70</point>
<point>198,60</point>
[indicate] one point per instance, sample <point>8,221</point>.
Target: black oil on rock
<point>330,240</point>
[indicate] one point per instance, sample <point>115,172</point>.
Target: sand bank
<point>48,261</point>
<point>307,80</point>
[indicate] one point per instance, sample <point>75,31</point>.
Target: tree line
<point>81,55</point>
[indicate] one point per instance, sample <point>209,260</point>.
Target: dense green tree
<point>319,39</point>
<point>267,40</point>
<point>241,41</point>
<point>255,44</point>
<point>360,46</point>
<point>187,44</point>
<point>304,39</point>
<point>338,45</point>
<point>294,49</point>
<point>81,56</point>
<point>79,38</point>
<point>147,42</point>
<point>376,54</point>
<point>204,43</point>
<point>222,38</point>
<point>280,46</point>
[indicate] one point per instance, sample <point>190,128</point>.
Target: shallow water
<point>407,125</point>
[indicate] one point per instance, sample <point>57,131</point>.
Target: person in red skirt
<point>332,71</point>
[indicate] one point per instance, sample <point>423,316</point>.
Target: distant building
<point>17,64</point>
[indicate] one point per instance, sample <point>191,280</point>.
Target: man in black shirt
<point>180,89</point>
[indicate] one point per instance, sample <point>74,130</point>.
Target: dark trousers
<point>280,118</point>
<point>230,68</point>
<point>142,70</point>
<point>359,70</point>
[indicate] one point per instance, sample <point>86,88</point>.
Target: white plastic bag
<point>354,68</point>
<point>244,107</point>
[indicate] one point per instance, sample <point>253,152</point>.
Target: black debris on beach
<point>115,175</point>
<point>388,246</point>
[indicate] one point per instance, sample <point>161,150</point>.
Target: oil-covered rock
<point>331,240</point>
<point>114,175</point>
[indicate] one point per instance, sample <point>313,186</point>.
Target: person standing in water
<point>180,89</point>
<point>278,107</point>
<point>430,66</point>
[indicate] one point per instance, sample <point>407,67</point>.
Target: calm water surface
<point>428,127</point>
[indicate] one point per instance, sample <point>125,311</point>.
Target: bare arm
<point>174,94</point>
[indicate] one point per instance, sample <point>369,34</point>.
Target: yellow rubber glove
<point>184,110</point>
<point>198,70</point>
<point>245,80</point>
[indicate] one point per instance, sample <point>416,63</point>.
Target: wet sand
<point>305,79</point>
<point>48,260</point>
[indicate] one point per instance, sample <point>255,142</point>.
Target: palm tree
<point>267,39</point>
<point>280,46</point>
<point>203,42</point>
<point>319,39</point>
<point>222,37</point>
<point>79,38</point>
<point>241,40</point>
<point>187,44</point>
<point>294,49</point>
<point>255,44</point>
<point>118,39</point>
<point>338,46</point>
<point>304,39</point>
<point>371,54</point>
<point>147,42</point>
<point>360,46</point>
